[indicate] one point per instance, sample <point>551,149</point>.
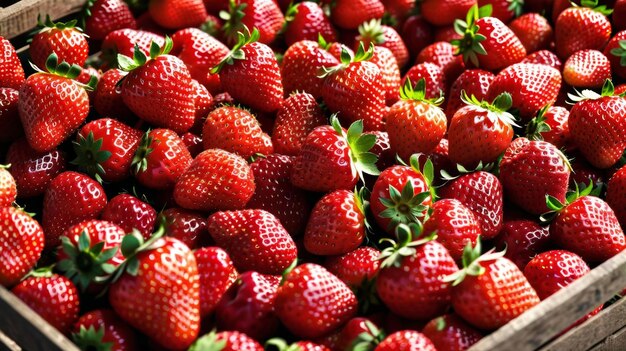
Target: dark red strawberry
<point>356,266</point>
<point>306,21</point>
<point>226,341</point>
<point>264,15</point>
<point>449,332</point>
<point>9,115</point>
<point>203,103</point>
<point>11,71</point>
<point>587,69</point>
<point>581,27</point>
<point>382,35</point>
<point>107,98</point>
<point>33,171</point>
<point>177,14</point>
<point>301,65</point>
<point>443,54</point>
<point>474,82</point>
<point>358,333</point>
<point>63,39</point>
<point>382,150</point>
<point>523,240</point>
<point>533,30</point>
<point>100,329</point>
<point>21,242</point>
<point>298,116</point>
<point>187,226</point>
<point>130,213</point>
<point>217,274</point>
<point>406,340</point>
<point>615,194</point>
<point>101,17</point>
<point>417,34</point>
<point>349,14</point>
<point>193,143</point>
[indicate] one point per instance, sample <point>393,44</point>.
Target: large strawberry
<point>587,69</point>
<point>31,170</point>
<point>349,14</point>
<point>11,71</point>
<point>101,17</point>
<point>582,27</point>
<point>306,21</point>
<point>382,35</point>
<point>177,14</point>
<point>523,239</point>
<point>21,243</point>
<point>217,274</point>
<point>63,39</point>
<point>298,116</point>
<point>102,328</point>
<point>301,65</point>
<point>406,340</point>
<point>449,332</point>
<point>616,194</point>
<point>130,213</point>
<point>264,15</point>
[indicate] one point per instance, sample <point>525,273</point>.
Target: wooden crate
<point>21,16</point>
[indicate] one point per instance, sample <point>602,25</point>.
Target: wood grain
<point>21,17</point>
<point>615,342</point>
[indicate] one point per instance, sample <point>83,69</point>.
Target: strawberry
<point>416,124</point>
<point>442,13</point>
<point>160,159</point>
<point>410,279</point>
<point>615,51</point>
<point>417,34</point>
<point>349,14</point>
<point>432,74</point>
<point>86,196</point>
<point>480,131</point>
<point>354,89</point>
<point>157,290</point>
<point>177,14</point>
<point>579,28</point>
<point>382,150</point>
<point>481,192</point>
<point>187,226</point>
<point>616,189</point>
<point>530,170</point>
<point>298,116</point>
<point>551,125</point>
<point>254,239</point>
<point>544,57</point>
<point>226,341</point>
<point>300,67</point>
<point>217,274</point>
<point>406,340</point>
<point>9,115</point>
<point>587,69</point>
<point>101,17</point>
<point>264,15</point>
<point>474,82</point>
<point>130,213</point>
<point>382,35</point>
<point>306,21</point>
<point>551,271</point>
<point>11,71</point>
<point>449,332</point>
<point>193,143</point>
<point>235,130</point>
<point>523,240</point>
<point>102,328</point>
<point>63,39</point>
<point>51,296</point>
<point>8,188</point>
<point>52,105</point>
<point>216,179</point>
<point>282,345</point>
<point>504,10</point>
<point>107,98</point>
<point>254,63</point>
<point>487,42</point>
<point>123,41</point>
<point>355,267</point>
<point>248,306</point>
<point>21,243</point>
<point>489,291</point>
<point>33,171</point>
<point>203,103</point>
<point>159,89</point>
<point>598,125</point>
<point>533,31</point>
<point>531,87</point>
<point>275,193</point>
<point>358,333</point>
<point>583,173</point>
<point>388,66</point>
<point>311,302</point>
<point>443,54</point>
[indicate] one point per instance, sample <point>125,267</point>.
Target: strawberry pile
<point>343,175</point>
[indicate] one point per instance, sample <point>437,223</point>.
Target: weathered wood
<point>542,323</point>
<point>27,329</point>
<point>7,344</point>
<point>615,342</point>
<point>21,17</point>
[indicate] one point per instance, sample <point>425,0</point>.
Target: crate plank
<point>7,344</point>
<point>543,322</point>
<point>615,342</point>
<point>27,329</point>
<point>21,17</point>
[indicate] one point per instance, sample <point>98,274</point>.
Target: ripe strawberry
<point>551,125</point>
<point>587,69</point>
<point>226,341</point>
<point>282,345</point>
<point>216,179</point>
<point>86,196</point>
<point>433,76</point>
<point>615,51</point>
<point>373,32</point>
<point>102,328</point>
<point>306,21</point>
<point>203,103</point>
<point>598,126</point>
<point>354,89</point>
<point>264,15</point>
<point>504,10</point>
<point>386,62</point>
<point>254,239</point>
<point>52,105</point>
<point>416,124</point>
<point>130,213</point>
<point>63,39</point>
<point>533,31</point>
<point>544,57</point>
<point>442,13</point>
<point>481,192</point>
<point>480,131</point>
<point>358,333</point>
<point>579,28</point>
<point>159,89</point>
<point>406,340</point>
<point>11,71</point>
<point>177,14</point>
<point>355,267</point>
<point>487,42</point>
<point>33,171</point>
<point>523,240</point>
<point>311,302</point>
<point>8,188</point>
<point>442,54</point>
<point>489,291</point>
<point>531,87</point>
<point>616,189</point>
<point>449,332</point>
<point>235,130</point>
<point>474,82</point>
<point>160,159</point>
<point>382,150</point>
<point>584,173</point>
<point>551,271</point>
<point>9,115</point>
<point>51,296</point>
<point>101,17</point>
<point>107,98</point>
<point>349,14</point>
<point>193,143</point>
<point>410,279</point>
<point>254,63</point>
<point>217,274</point>
<point>300,67</point>
<point>187,226</point>
<point>21,243</point>
<point>123,41</point>
<point>298,116</point>
<point>248,306</point>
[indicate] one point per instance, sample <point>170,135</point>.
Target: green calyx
<point>608,89</point>
<point>362,161</point>
<point>86,12</point>
<point>41,272</point>
<point>368,340</point>
<point>210,27</point>
<point>361,198</point>
<point>90,156</point>
<point>620,52</point>
<point>232,19</point>
<point>516,6</point>
<point>288,270</point>
<point>48,24</point>
<point>538,125</point>
<point>290,15</point>
<point>322,42</point>
<point>408,238</point>
<point>208,342</point>
<point>65,70</point>
<point>372,31</point>
<point>471,261</point>
<point>470,44</point>
<point>86,263</point>
<point>418,93</point>
<point>91,339</point>
<point>593,4</point>
<point>243,38</point>
<point>555,206</point>
<point>500,105</point>
<point>346,59</point>
<point>139,59</point>
<point>462,170</point>
<point>140,159</point>
<point>281,345</point>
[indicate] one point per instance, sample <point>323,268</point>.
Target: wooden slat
<point>21,17</point>
<point>7,344</point>
<point>27,329</point>
<point>543,322</point>
<point>615,342</point>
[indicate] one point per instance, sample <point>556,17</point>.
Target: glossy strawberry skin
<point>300,67</point>
<point>474,82</point>
<point>107,98</point>
<point>9,115</point>
<point>551,271</point>
<point>390,72</point>
<point>443,54</point>
<point>166,162</point>
<point>579,28</point>
<point>33,171</point>
<point>21,244</point>
<point>616,193</point>
<point>544,57</point>
<point>354,267</point>
<point>264,15</point>
<point>130,213</point>
<point>559,135</point>
<point>406,340</point>
<point>176,14</point>
<point>69,44</point>
<point>217,274</point>
<point>298,116</point>
<point>533,30</point>
<point>443,13</point>
<point>11,71</point>
<point>523,240</point>
<point>123,41</point>
<point>587,69</point>
<point>116,331</point>
<point>107,16</point>
<point>187,226</point>
<point>455,335</point>
<point>502,45</point>
<point>432,74</point>
<point>349,14</point>
<point>307,23</point>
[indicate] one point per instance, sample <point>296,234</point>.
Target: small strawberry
<point>187,226</point>
<point>449,332</point>
<point>123,41</point>
<point>544,57</point>
<point>406,340</point>
<point>587,69</point>
<point>264,15</point>
<point>130,213</point>
<point>177,14</point>
<point>217,274</point>
<point>533,30</point>
<point>301,64</point>
<point>298,116</point>
<point>9,115</point>
<point>33,171</point>
<point>226,341</point>
<point>107,98</point>
<point>8,188</point>
<point>504,10</point>
<point>21,244</point>
<point>551,125</point>
<point>382,35</point>
<point>475,82</point>
<point>349,14</point>
<point>551,271</point>
<point>99,329</point>
<point>445,12</point>
<point>355,267</point>
<point>101,17</point>
<point>523,240</point>
<point>11,71</point>
<point>306,21</point>
<point>63,39</point>
<point>390,72</point>
<point>579,28</point>
<point>615,194</point>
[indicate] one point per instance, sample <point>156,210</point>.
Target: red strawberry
<point>579,28</point>
<point>31,170</point>
<point>21,243</point>
<point>356,266</point>
<point>87,199</point>
<point>217,274</point>
<point>489,291</point>
<point>254,239</point>
<point>187,226</point>
<point>616,189</point>
<point>216,179</point>
<point>583,174</point>
<point>443,54</point>
<point>356,333</point>
<point>123,41</point>
<point>306,21</point>
<point>417,34</point>
<point>203,103</point>
<point>523,240</point>
<point>11,71</point>
<point>533,30</point>
<point>301,65</point>
<point>298,116</point>
<point>130,213</point>
<point>177,14</point>
<point>8,188</point>
<point>551,271</point>
<point>449,332</point>
<point>160,159</point>
<point>101,17</point>
<point>235,130</point>
<point>107,98</point>
<point>63,39</point>
<point>102,328</point>
<point>615,51</point>
<point>193,143</point>
<point>406,340</point>
<point>264,15</point>
<point>51,296</point>
<point>254,63</point>
<point>248,306</point>
<point>382,150</point>
<point>282,345</point>
<point>442,13</point>
<point>504,10</point>
<point>386,62</point>
<point>311,302</point>
<point>416,124</point>
<point>9,115</point>
<point>158,89</point>
<point>432,74</point>
<point>158,290</point>
<point>474,82</point>
<point>226,341</point>
<point>587,69</point>
<point>544,57</point>
<point>385,36</point>
<point>551,125</point>
<point>349,14</point>
<point>52,105</point>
